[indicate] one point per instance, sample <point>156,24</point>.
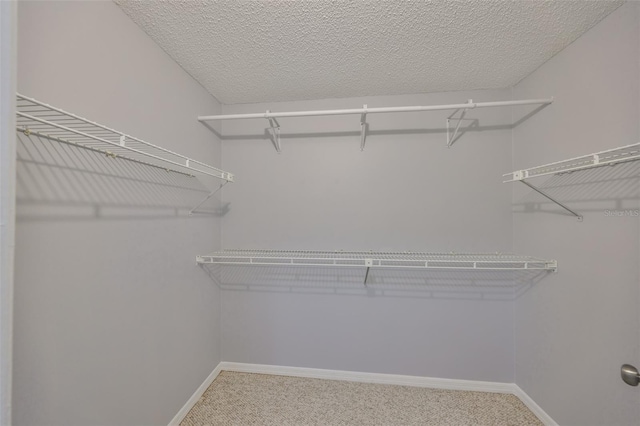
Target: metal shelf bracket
<point>274,131</point>
<point>211,194</point>
<point>452,139</point>
<point>363,129</point>
<point>544,194</point>
<point>368,263</point>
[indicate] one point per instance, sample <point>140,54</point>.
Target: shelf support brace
<point>452,139</point>
<point>211,194</point>
<point>368,263</point>
<point>363,128</point>
<point>274,131</point>
<point>553,199</point>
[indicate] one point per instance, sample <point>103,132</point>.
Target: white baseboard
<point>390,379</point>
<point>535,408</point>
<point>195,397</point>
<point>351,376</point>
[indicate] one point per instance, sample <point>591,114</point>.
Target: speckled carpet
<point>259,399</point>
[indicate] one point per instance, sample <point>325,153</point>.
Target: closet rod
<point>467,105</point>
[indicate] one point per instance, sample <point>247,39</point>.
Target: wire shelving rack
<point>373,259</point>
<point>609,157</point>
<point>43,120</point>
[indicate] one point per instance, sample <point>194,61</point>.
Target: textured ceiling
<point>264,51</point>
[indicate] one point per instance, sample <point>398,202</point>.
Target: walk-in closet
<point>320,213</point>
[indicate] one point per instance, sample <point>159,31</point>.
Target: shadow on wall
<point>57,181</point>
<point>411,283</point>
<point>605,190</point>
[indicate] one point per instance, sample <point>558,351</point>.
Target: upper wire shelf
<point>371,259</point>
<point>37,118</point>
<point>598,159</point>
<point>608,157</point>
<point>274,125</point>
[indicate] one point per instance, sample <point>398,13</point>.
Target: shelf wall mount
<point>610,157</point>
<point>274,127</point>
<point>363,127</point>
<point>463,112</point>
<point>274,132</point>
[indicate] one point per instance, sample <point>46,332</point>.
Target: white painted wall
<point>114,322</point>
<point>8,68</point>
<point>406,191</point>
<point>574,330</point>
<point>115,325</point>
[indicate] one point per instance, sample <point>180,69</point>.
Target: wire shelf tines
<point>609,157</point>
<point>372,259</point>
<point>42,120</point>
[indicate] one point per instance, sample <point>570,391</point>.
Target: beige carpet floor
<point>259,399</point>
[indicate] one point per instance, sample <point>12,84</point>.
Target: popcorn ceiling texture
<point>267,51</point>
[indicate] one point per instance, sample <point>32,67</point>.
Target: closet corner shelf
<point>37,118</point>
<point>608,157</point>
<point>371,259</point>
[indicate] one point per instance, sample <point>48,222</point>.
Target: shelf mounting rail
<point>366,110</point>
<point>43,120</point>
<point>610,157</point>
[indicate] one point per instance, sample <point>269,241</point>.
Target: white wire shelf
<point>371,259</point>
<point>43,120</point>
<point>603,158</point>
<point>609,157</point>
<point>274,125</point>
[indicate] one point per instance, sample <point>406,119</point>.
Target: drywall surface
<point>405,191</point>
<point>575,329</point>
<point>8,68</point>
<point>285,51</point>
<point>114,322</point>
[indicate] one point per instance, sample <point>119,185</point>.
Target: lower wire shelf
<point>374,259</point>
<point>446,275</point>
